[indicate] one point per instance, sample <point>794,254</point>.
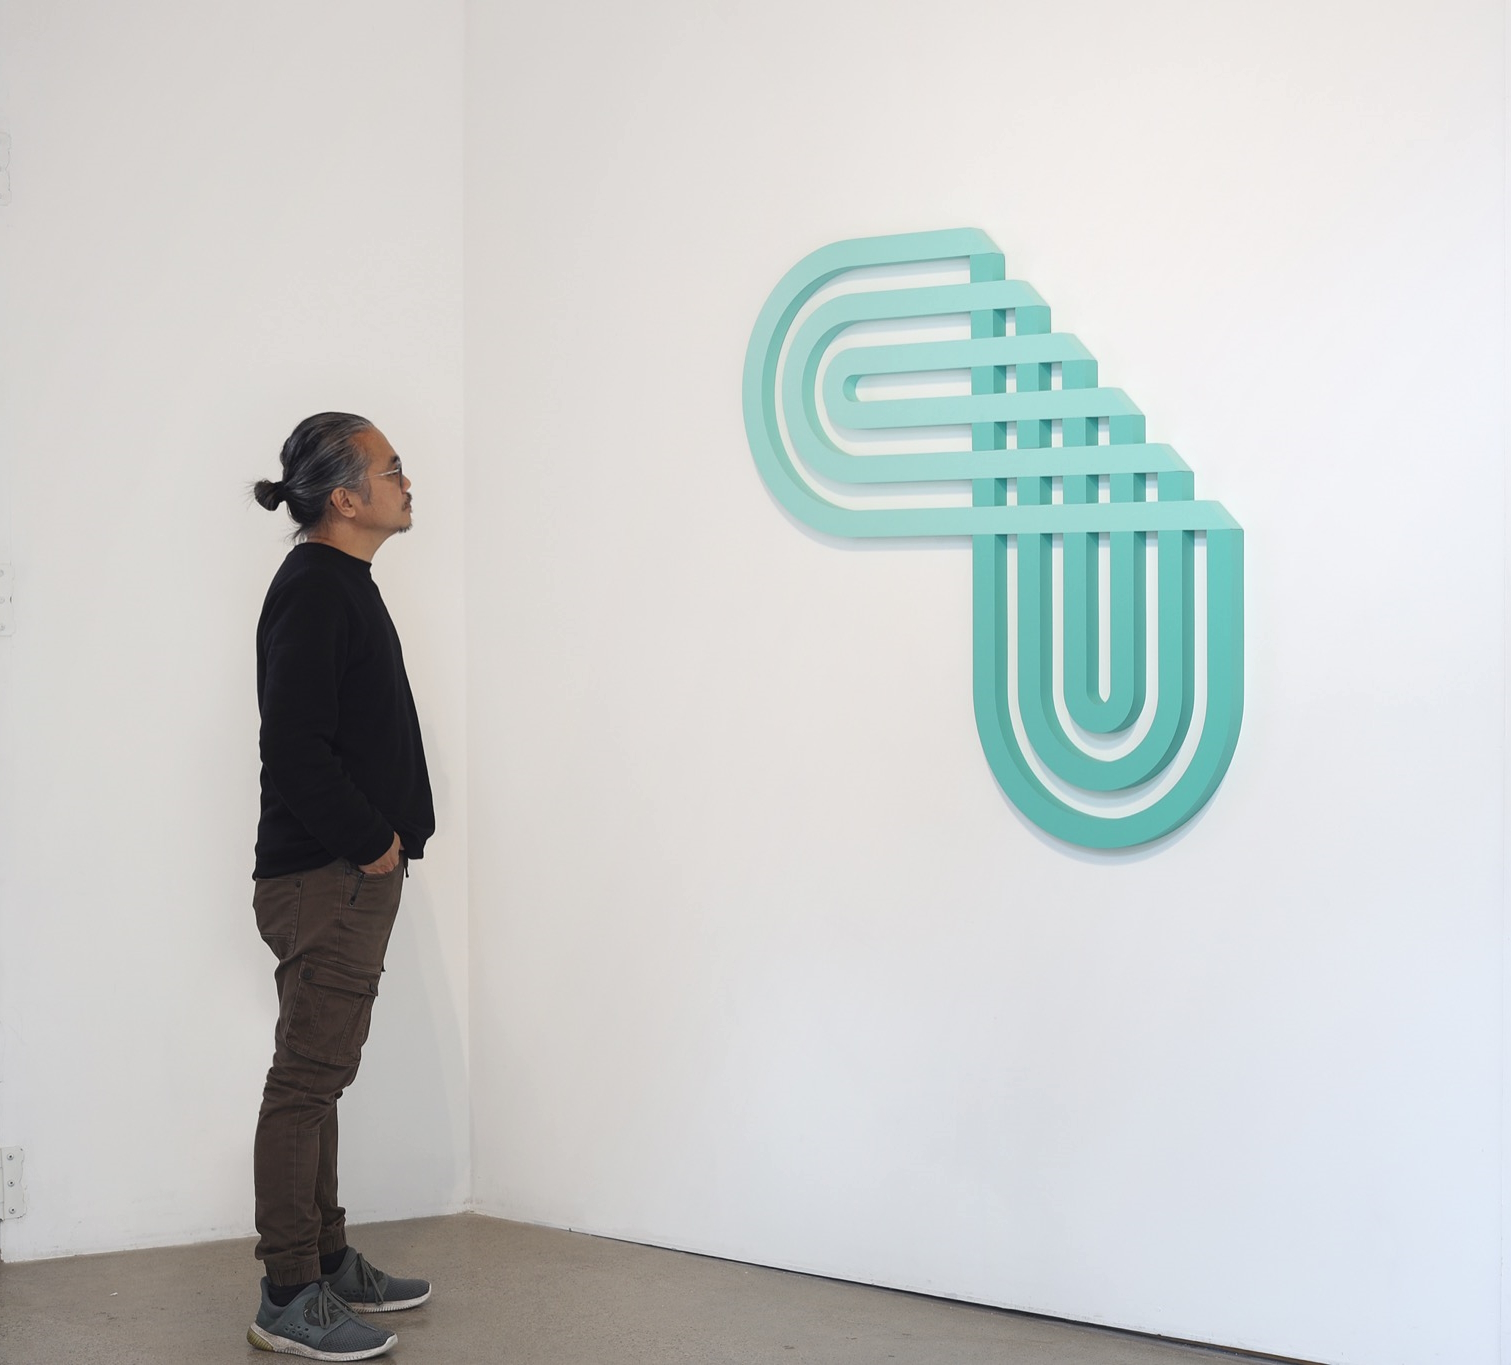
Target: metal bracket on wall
<point>12,1161</point>
<point>7,600</point>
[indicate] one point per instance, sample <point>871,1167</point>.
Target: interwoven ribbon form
<point>1071,514</point>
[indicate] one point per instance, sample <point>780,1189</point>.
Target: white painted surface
<point>763,964</point>
<point>1505,944</point>
<point>222,219</point>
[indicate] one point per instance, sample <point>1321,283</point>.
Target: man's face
<point>387,506</point>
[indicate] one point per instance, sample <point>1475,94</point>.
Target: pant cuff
<point>286,1274</point>
<point>332,1242</point>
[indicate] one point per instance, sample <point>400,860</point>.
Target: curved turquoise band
<point>800,370</point>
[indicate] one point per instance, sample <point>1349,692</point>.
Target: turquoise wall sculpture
<point>1103,765</point>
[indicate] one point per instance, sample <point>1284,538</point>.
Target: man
<point>346,806</point>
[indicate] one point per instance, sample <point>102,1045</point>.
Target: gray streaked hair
<point>320,456</point>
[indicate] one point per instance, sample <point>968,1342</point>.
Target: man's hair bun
<point>321,455</point>
<point>268,493</point>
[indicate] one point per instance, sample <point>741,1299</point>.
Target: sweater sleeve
<point>307,636</point>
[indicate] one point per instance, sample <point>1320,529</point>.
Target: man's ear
<point>342,503</point>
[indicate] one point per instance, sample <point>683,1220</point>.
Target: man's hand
<point>387,862</point>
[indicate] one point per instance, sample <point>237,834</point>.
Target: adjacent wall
<point>762,962</point>
<point>223,218</point>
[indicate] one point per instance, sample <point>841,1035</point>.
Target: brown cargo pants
<point>329,930</point>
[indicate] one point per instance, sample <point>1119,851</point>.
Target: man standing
<point>345,806</point>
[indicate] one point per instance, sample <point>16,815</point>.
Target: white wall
<point>763,964</point>
<point>223,219</point>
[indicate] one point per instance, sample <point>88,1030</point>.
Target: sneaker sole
<point>389,1306</point>
<point>264,1342</point>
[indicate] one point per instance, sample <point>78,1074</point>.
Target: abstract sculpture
<point>1108,711</point>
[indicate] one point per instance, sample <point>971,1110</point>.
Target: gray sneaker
<point>368,1290</point>
<point>316,1325</point>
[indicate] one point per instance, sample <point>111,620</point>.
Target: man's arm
<point>306,641</point>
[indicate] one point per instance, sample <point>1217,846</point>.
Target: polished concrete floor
<point>511,1294</point>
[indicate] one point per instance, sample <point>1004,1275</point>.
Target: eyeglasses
<point>397,472</point>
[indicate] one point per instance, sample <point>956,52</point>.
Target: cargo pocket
<point>275,902</point>
<point>329,1012</point>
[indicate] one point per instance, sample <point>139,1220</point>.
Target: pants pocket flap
<point>338,978</point>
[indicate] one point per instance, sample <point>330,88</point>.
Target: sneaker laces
<point>329,1307</point>
<point>369,1279</point>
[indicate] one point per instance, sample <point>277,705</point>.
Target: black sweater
<point>343,768</point>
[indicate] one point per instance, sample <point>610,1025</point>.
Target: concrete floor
<point>511,1293</point>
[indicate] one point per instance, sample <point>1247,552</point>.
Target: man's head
<point>343,483</point>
